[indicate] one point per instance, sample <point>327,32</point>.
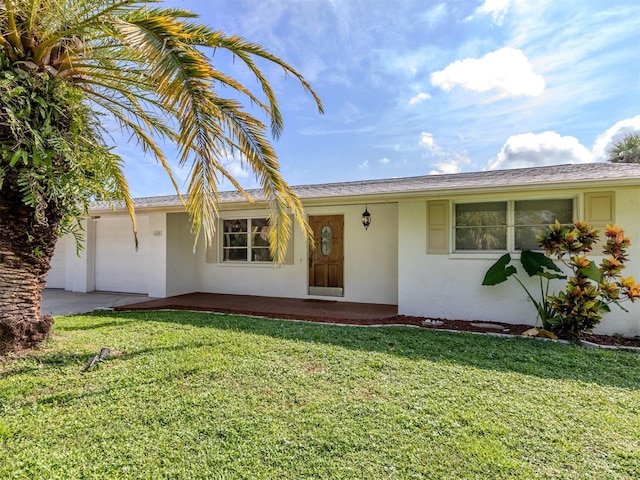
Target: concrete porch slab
<point>290,308</point>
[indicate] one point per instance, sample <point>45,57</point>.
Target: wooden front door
<point>326,260</point>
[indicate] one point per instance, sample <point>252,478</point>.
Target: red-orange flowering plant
<point>591,288</point>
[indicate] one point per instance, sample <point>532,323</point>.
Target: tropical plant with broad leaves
<point>590,289</point>
<point>64,64</point>
<point>534,264</point>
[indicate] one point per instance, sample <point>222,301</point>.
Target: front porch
<point>275,307</point>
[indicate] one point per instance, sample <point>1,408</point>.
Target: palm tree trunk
<point>26,249</point>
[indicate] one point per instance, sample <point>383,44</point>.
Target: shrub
<point>590,289</point>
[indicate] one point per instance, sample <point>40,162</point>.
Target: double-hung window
<point>534,216</point>
<point>481,226</point>
<point>509,225</point>
<point>245,240</point>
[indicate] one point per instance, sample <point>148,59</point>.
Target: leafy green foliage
<point>500,271</point>
<point>535,264</point>
<point>591,288</point>
<point>564,240</point>
<point>51,147</point>
<point>626,150</point>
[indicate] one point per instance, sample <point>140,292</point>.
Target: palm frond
<point>132,121</point>
<point>146,66</point>
<point>113,165</point>
<point>244,50</point>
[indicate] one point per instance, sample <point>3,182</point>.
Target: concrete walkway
<point>60,302</point>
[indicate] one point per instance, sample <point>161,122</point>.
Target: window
<point>246,240</point>
<point>511,225</point>
<point>481,226</point>
<point>535,216</point>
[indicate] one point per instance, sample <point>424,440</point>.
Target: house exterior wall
<point>57,273</point>
<point>73,270</point>
<point>251,278</point>
<point>370,260</point>
<point>120,266</point>
<point>449,285</point>
<point>388,263</point>
<point>182,263</point>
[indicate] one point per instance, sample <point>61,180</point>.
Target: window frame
<point>250,247</point>
<point>510,223</point>
<point>503,210</point>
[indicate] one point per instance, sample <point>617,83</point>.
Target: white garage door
<point>55,276</point>
<point>118,266</point>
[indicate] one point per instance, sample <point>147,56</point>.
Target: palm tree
<point>626,150</point>
<point>64,64</point>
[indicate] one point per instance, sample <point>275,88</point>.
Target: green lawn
<point>195,395</point>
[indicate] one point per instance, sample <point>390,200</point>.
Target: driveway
<point>60,302</point>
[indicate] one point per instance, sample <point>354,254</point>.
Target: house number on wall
<point>325,240</point>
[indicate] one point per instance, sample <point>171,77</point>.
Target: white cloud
<point>364,165</point>
<point>614,134</point>
<point>384,161</point>
<point>534,150</point>
<point>237,168</point>
<point>436,15</point>
<point>496,8</point>
<point>419,98</point>
<point>426,140</point>
<point>447,162</point>
<point>506,70</point>
<point>446,167</point>
<point>236,164</point>
<point>450,165</point>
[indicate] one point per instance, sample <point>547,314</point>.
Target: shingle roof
<point>550,175</point>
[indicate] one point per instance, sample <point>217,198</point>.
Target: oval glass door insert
<point>326,240</point>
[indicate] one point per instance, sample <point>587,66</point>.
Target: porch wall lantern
<point>366,218</point>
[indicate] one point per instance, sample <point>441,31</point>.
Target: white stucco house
<point>429,244</point>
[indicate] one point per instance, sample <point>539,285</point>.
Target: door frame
<point>329,291</point>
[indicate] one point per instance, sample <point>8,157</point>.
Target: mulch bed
<point>438,323</point>
<point>519,329</point>
<point>468,326</point>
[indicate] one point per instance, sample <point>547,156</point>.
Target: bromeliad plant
<point>534,263</point>
<point>590,289</point>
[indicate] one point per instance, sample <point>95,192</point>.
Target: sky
<point>422,87</point>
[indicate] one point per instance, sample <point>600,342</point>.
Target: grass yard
<point>195,395</point>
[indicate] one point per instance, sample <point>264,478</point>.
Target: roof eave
<point>388,197</point>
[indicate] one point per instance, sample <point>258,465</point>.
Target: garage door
<point>118,266</point>
<point>55,276</point>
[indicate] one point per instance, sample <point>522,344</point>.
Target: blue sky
<point>419,87</point>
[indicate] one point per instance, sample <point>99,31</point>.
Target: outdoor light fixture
<point>366,218</point>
